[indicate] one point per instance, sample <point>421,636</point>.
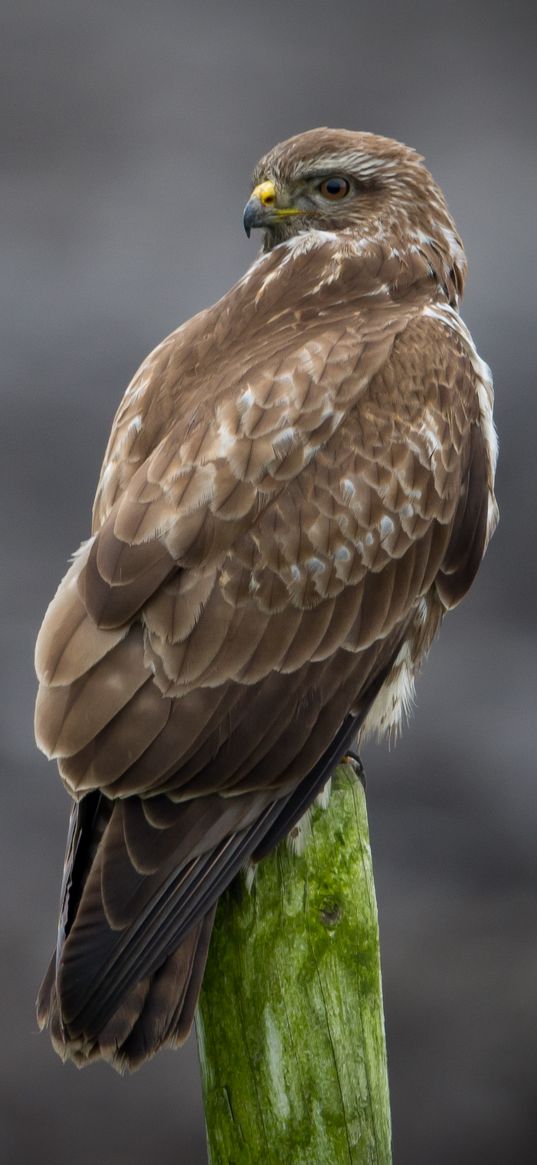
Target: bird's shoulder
<point>302,317</point>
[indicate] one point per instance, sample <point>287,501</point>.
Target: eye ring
<point>334,188</point>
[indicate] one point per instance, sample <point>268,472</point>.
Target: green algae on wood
<point>290,1024</point>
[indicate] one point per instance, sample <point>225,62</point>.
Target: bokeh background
<point>129,132</point>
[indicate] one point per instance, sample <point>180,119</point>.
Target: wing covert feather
<point>334,560</point>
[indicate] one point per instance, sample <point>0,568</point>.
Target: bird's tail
<point>157,1012</point>
<point>141,881</point>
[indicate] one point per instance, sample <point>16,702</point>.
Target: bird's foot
<point>351,758</point>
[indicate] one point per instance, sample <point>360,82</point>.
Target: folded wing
<point>254,580</point>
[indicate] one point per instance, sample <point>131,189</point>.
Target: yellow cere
<point>266,194</point>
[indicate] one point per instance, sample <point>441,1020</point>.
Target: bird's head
<point>371,187</point>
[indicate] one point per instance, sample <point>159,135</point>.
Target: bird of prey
<point>298,485</point>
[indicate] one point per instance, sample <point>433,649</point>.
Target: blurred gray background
<point>129,132</point>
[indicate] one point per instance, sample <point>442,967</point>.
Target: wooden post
<point>290,1024</point>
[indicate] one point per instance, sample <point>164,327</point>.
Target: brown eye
<point>334,188</point>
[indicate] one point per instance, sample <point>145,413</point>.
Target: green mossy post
<point>290,1024</point>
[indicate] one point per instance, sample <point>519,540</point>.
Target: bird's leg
<point>351,758</point>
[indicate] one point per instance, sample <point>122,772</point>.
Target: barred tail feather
<point>158,1011</point>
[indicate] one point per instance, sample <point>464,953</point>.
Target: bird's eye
<point>334,189</point>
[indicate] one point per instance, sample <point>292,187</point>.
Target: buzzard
<point>298,485</point>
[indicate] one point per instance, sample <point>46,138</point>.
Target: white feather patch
<point>485,394</point>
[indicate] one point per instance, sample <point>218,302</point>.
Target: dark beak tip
<point>251,216</point>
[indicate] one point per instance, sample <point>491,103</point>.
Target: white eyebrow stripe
<point>361,164</point>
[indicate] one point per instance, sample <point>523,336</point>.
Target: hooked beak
<point>261,209</point>
<point>254,215</point>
